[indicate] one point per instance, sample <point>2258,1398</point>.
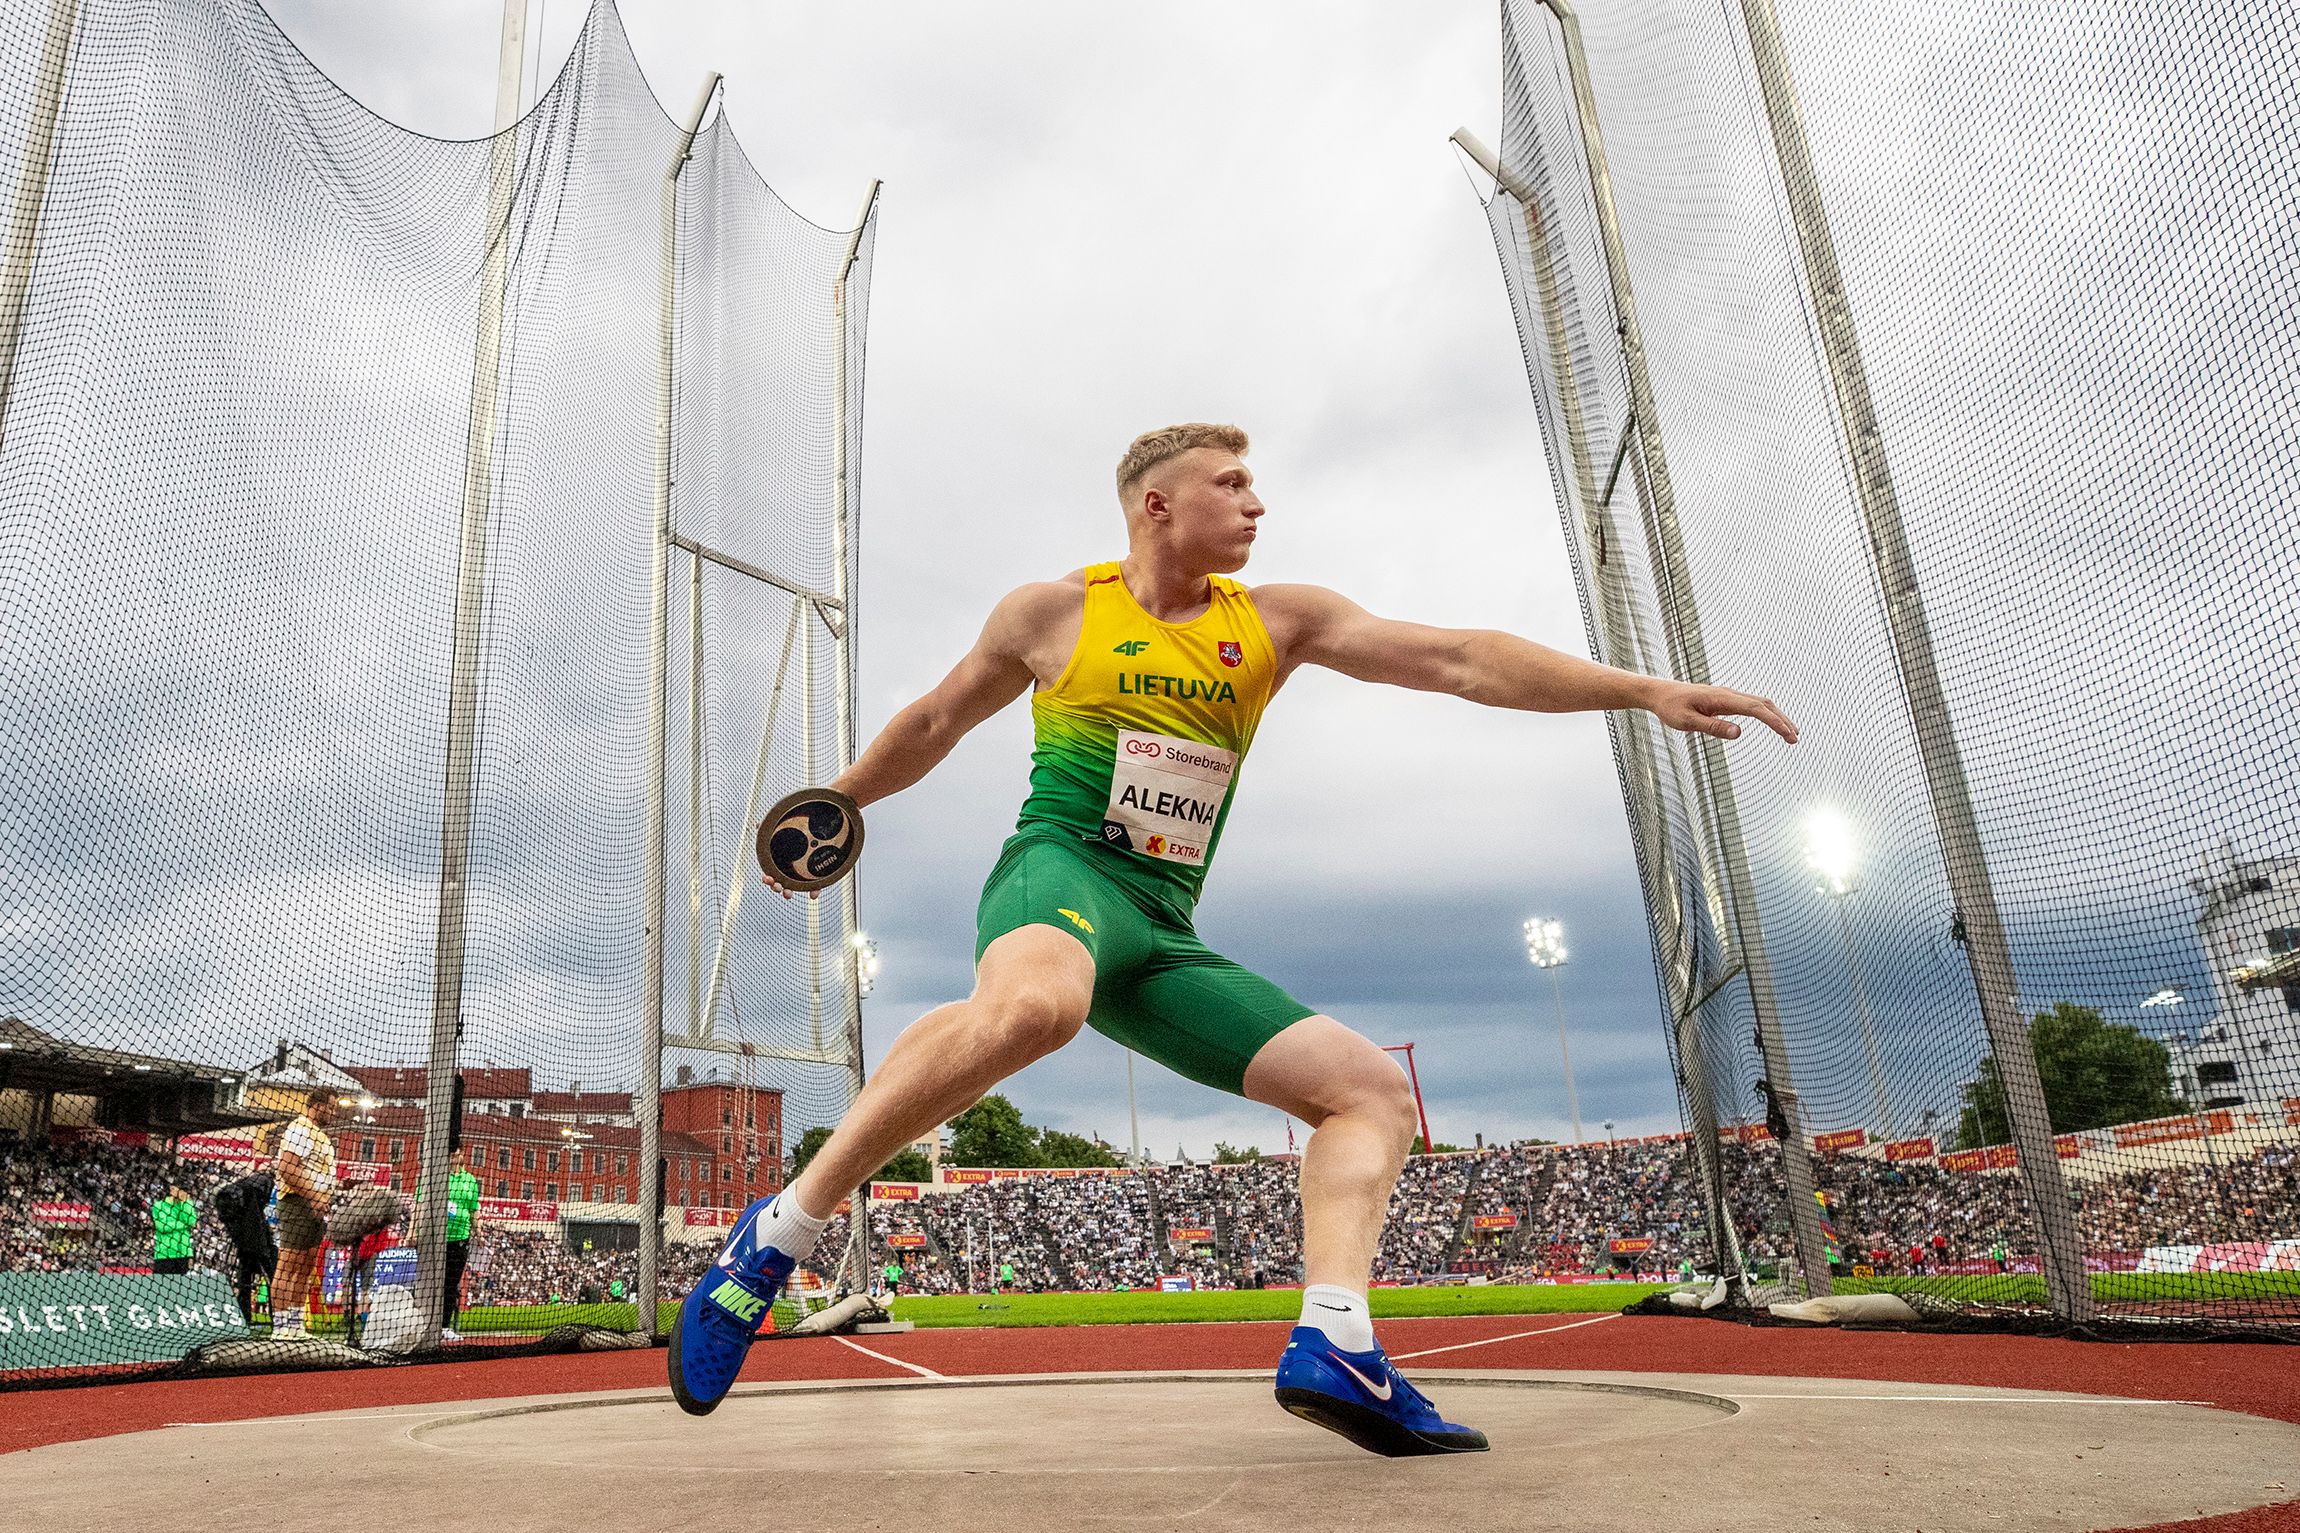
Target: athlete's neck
<point>1169,591</point>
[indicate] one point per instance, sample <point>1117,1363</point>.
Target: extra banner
<point>104,1319</point>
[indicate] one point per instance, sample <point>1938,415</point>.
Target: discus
<point>810,839</point>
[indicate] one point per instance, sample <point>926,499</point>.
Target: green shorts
<point>1157,989</point>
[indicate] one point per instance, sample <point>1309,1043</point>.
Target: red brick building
<point>721,1143</point>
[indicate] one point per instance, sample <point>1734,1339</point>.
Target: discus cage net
<point>1931,372</point>
<point>419,558</point>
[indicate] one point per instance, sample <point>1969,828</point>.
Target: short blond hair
<point>1152,448</point>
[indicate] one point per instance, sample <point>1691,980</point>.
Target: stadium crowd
<point>1548,1210</point>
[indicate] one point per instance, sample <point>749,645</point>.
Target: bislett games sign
<point>99,1319</point>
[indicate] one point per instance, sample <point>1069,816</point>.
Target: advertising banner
<point>1840,1139</point>
<point>1175,1285</point>
<point>1910,1149</point>
<point>1191,1232</point>
<point>1965,1160</point>
<point>2002,1157</point>
<point>960,1176</point>
<point>88,1319</point>
<point>2172,1130</point>
<point>906,1240</point>
<point>710,1218</point>
<point>1505,1220</point>
<point>230,1149</point>
<point>894,1192</point>
<point>75,1133</point>
<point>2292,1112</point>
<point>498,1210</point>
<point>1629,1247</point>
<point>63,1216</point>
<point>363,1171</point>
<point>393,1264</point>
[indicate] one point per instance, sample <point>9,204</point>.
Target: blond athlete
<point>1147,677</point>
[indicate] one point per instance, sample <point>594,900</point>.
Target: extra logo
<point>1133,647</point>
<point>1154,845</point>
<point>1077,920</point>
<point>1230,652</point>
<point>1144,748</point>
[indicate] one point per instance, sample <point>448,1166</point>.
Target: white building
<point>2249,924</point>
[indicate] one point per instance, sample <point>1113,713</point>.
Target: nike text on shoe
<point>1359,1395</point>
<point>712,1332</point>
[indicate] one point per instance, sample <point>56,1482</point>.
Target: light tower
<point>1833,853</point>
<point>1545,947</point>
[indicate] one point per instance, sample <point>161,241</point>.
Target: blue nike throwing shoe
<point>712,1333</point>
<point>1359,1395</point>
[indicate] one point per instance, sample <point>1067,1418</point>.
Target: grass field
<point>2107,1287</point>
<point>1259,1304</point>
<point>1142,1308</point>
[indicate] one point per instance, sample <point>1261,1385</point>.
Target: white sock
<point>1341,1314</point>
<point>783,1225</point>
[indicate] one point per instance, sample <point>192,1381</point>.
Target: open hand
<point>1711,710</point>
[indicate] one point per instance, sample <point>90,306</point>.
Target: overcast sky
<point>1098,220</point>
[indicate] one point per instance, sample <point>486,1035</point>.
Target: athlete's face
<point>1211,508</point>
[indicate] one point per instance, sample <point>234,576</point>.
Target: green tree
<point>1058,1148</point>
<point>2095,1073</point>
<point>809,1142</point>
<point>911,1165</point>
<point>1442,1148</point>
<point>1231,1155</point>
<point>992,1133</point>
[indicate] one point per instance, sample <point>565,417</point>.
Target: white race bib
<point>1166,795</point>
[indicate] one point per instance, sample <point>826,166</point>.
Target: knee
<point>1379,1096</point>
<point>1391,1102</point>
<point>1035,1020</point>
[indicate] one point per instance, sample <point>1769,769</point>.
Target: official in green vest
<point>172,1219</point>
<point>892,1272</point>
<point>462,1218</point>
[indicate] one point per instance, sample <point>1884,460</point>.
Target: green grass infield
<point>1149,1307</point>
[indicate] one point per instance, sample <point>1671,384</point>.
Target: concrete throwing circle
<point>1201,1451</point>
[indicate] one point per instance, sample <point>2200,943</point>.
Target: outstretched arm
<point>992,674</point>
<point>1315,626</point>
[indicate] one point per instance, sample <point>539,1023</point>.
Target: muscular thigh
<point>1194,1011</point>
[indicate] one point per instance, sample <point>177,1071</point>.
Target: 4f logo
<point>1130,648</point>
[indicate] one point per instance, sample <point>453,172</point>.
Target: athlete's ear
<point>1154,505</point>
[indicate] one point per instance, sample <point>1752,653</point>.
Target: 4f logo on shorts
<point>1133,647</point>
<point>1230,653</point>
<point>1077,920</point>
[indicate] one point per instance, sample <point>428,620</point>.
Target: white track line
<point>882,1357</point>
<point>1979,1399</point>
<point>1400,1357</point>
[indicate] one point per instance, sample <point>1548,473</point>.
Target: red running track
<point>2259,1379</point>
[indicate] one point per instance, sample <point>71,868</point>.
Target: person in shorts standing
<point>305,1178</point>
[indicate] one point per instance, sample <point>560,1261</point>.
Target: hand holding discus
<point>810,840</point>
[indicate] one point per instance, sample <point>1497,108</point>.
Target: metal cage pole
<point>462,763</point>
<point>647,1100</point>
<point>1987,952</point>
<point>842,545</point>
<point>1682,625</point>
<point>1626,644</point>
<point>31,199</point>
